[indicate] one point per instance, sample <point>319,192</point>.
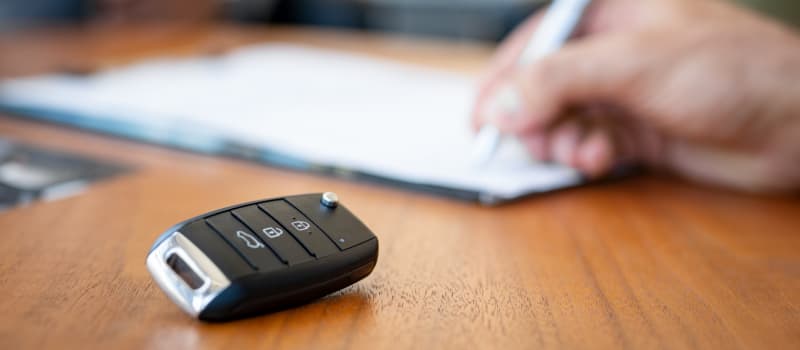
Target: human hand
<point>699,88</point>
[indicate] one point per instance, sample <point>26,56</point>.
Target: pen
<point>554,30</point>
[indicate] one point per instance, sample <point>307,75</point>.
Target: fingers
<point>595,156</point>
<point>584,72</point>
<point>502,64</point>
<point>509,51</point>
<point>580,74</point>
<point>590,146</point>
<point>504,70</point>
<point>565,140</point>
<point>537,145</point>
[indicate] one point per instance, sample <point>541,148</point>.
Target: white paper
<point>385,118</point>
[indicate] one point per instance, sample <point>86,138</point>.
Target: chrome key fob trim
<point>193,301</point>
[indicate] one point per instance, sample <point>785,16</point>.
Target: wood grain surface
<point>644,263</point>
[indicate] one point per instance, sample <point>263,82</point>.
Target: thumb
<point>594,69</point>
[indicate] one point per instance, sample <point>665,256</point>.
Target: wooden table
<point>642,263</point>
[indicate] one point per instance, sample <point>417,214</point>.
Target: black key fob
<point>260,256</point>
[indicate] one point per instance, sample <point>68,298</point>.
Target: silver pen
<point>556,27</point>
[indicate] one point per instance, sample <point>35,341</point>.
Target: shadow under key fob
<point>261,256</point>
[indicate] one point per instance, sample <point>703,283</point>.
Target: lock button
<point>245,242</point>
<point>273,234</point>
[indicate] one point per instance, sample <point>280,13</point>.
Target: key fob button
<point>340,225</point>
<point>273,234</point>
<point>229,261</point>
<point>302,228</point>
<point>245,241</point>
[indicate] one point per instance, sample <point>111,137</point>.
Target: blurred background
<point>486,20</point>
<point>79,37</point>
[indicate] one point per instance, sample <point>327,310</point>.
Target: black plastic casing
<point>252,292</point>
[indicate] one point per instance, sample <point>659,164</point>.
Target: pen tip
<point>485,145</point>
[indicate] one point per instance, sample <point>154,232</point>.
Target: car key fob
<point>260,256</point>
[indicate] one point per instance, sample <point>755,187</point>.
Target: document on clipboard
<point>298,107</point>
